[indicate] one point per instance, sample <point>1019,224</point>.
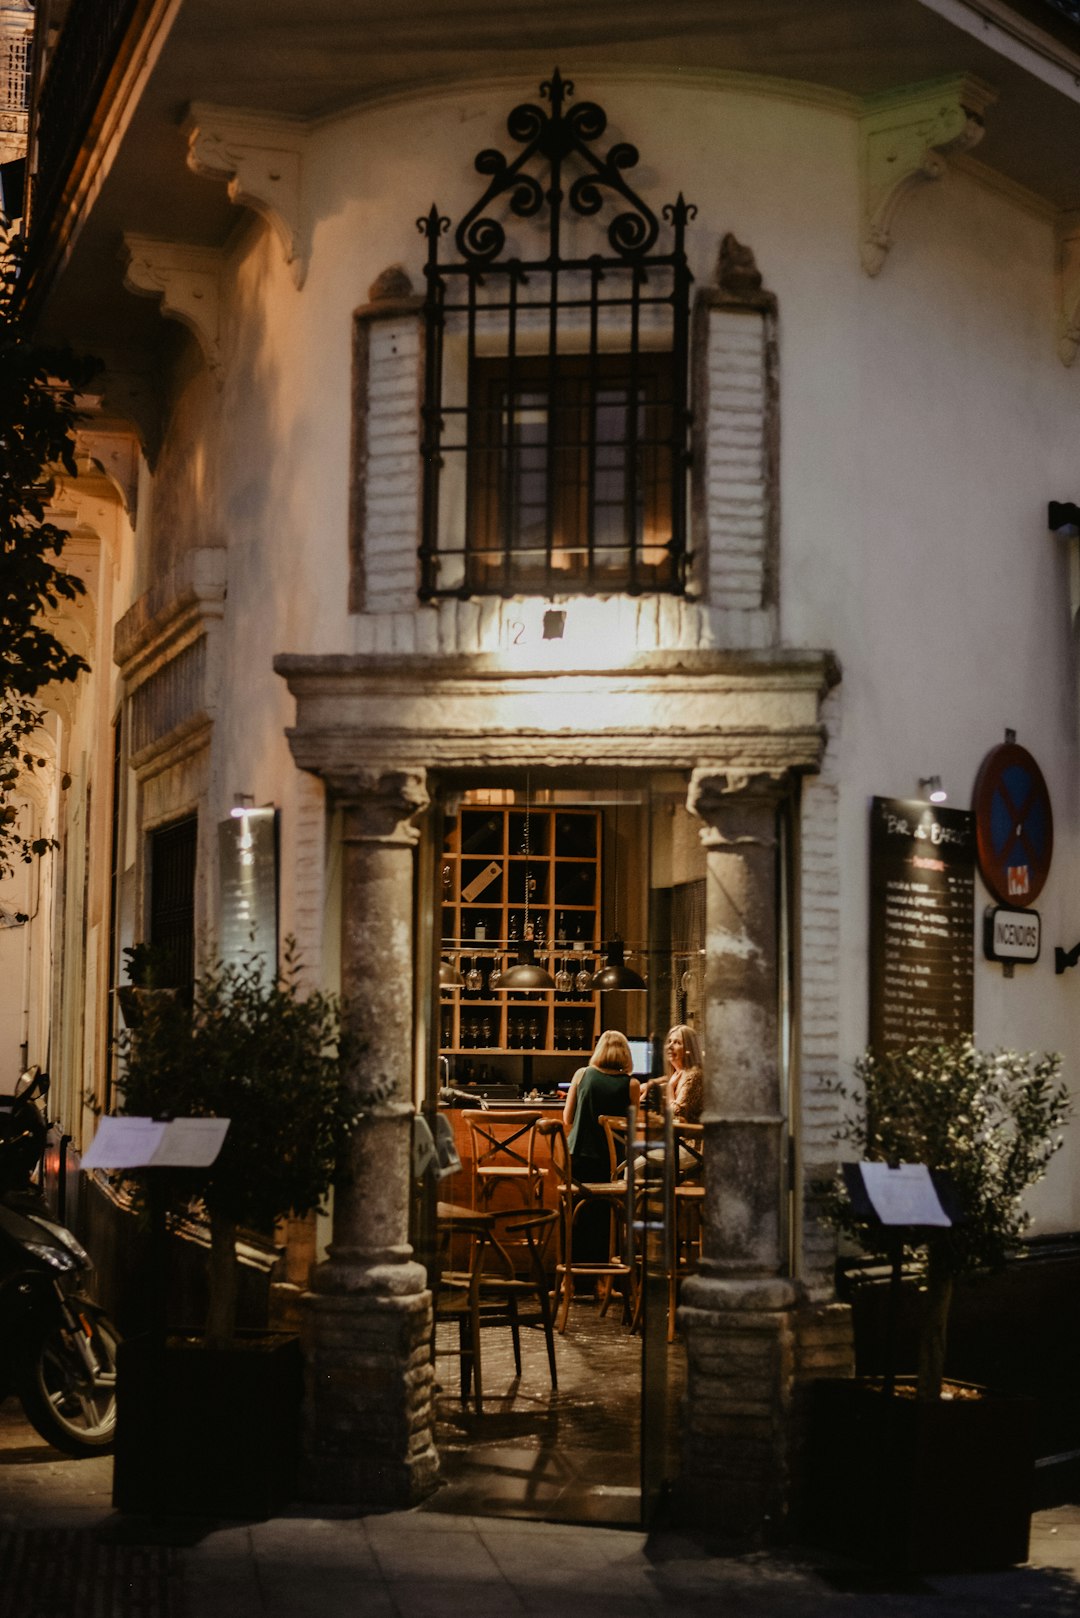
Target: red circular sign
<point>1014,825</point>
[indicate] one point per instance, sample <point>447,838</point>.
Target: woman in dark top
<point>604,1087</point>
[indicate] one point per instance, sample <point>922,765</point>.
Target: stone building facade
<point>879,330</point>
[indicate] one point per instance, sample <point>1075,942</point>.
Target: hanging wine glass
<point>582,983</point>
<point>564,982</point>
<point>474,977</point>
<point>495,975</point>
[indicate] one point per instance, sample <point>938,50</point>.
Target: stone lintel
<point>665,712</point>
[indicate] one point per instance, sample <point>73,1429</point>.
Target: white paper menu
<point>905,1195</point>
<point>137,1143</point>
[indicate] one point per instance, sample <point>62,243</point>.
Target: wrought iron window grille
<point>555,420</point>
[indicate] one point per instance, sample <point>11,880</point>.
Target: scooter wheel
<point>73,1408</point>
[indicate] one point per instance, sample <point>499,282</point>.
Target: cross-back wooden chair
<point>503,1146</point>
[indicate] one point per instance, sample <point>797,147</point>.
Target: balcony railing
<point>76,77</point>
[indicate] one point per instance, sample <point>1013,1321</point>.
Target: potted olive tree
<point>255,1048</point>
<point>930,1474</point>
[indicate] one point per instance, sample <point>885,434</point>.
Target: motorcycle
<point>57,1346</point>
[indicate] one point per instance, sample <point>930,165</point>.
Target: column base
<point>367,1436</point>
<point>740,1342</point>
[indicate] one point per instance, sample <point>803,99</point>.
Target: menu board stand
<point>157,1146</point>
<point>929,1205</point>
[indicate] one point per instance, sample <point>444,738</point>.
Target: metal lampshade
<point>449,976</point>
<point>526,974</point>
<point>615,974</point>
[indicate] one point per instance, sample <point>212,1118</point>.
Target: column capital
<point>380,805</point>
<point>730,802</point>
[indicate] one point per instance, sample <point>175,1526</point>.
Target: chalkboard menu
<point>247,849</point>
<point>922,923</point>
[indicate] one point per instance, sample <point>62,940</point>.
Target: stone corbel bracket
<point>188,282</point>
<point>904,138</point>
<point>1068,254</point>
<point>261,161</point>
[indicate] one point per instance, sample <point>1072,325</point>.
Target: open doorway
<point>553,874</point>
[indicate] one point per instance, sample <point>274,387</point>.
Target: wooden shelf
<point>491,882</point>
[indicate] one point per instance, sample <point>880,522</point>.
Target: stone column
<point>368,1397</point>
<point>737,1312</point>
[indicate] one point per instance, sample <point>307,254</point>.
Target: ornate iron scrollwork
<point>564,132</point>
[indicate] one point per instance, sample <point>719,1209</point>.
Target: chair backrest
<point>503,1139</point>
<point>689,1149</point>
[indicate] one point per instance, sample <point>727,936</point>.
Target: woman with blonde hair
<point>605,1086</point>
<point>684,1083</point>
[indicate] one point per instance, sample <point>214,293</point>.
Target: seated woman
<point>684,1083</point>
<point>605,1086</point>
<point>682,1089</point>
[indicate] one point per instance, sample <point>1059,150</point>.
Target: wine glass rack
<point>494,860</point>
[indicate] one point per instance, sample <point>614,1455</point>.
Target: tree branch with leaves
<point>39,409</point>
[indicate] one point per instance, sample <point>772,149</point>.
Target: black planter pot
<point>207,1432</point>
<point>919,1487</point>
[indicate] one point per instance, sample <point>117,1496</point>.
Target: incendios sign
<point>922,923</point>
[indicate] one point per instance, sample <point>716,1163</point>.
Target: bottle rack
<point>485,874</point>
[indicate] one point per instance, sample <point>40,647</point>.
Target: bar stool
<point>457,1293</point>
<point>491,1289</point>
<point>574,1195</point>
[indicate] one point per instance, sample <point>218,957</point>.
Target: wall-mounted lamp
<point>931,785</point>
<point>1064,958</point>
<point>1063,517</point>
<point>242,803</point>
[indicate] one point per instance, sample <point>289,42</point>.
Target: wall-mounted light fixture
<point>242,803</point>
<point>932,787</point>
<point>1063,517</point>
<point>1064,958</point>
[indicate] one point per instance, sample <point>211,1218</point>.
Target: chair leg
<point>464,1359</point>
<point>545,1316</point>
<point>515,1331</point>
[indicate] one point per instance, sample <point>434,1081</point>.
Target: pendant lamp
<point>526,976</point>
<point>449,976</point>
<point>615,974</point>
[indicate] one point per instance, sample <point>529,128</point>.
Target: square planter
<point>207,1432</point>
<point>920,1487</point>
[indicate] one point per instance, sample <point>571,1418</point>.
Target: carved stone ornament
<point>187,280</point>
<point>737,274</point>
<point>116,451</point>
<point>261,161</point>
<point>904,139</point>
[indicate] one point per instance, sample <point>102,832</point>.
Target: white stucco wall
<point>925,422</point>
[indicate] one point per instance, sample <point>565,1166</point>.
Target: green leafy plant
<point>990,1121</point>
<point>39,409</point>
<point>258,1050</point>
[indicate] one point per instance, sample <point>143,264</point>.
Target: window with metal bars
<point>15,73</point>
<point>555,414</point>
<point>173,856</point>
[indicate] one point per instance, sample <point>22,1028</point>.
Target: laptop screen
<point>642,1052</point>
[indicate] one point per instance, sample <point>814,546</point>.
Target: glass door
<point>651,1218</point>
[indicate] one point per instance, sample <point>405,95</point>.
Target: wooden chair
<point>574,1195</point>
<point>489,1290</point>
<point>504,1153</point>
<point>457,1293</point>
